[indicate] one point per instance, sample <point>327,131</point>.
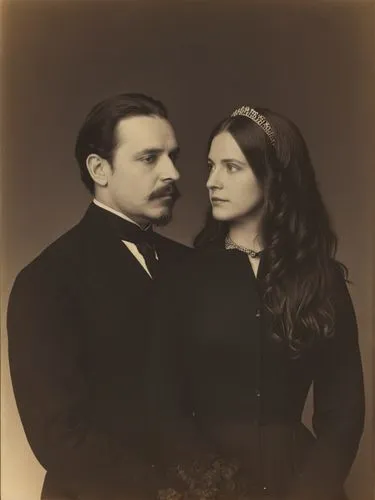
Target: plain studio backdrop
<point>313,62</point>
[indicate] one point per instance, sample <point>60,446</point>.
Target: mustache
<point>168,190</point>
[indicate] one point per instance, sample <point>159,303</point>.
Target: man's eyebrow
<point>148,151</point>
<point>175,151</point>
<point>156,151</point>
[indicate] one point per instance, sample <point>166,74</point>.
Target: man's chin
<point>162,220</point>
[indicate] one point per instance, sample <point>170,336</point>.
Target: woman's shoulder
<point>202,262</point>
<point>216,260</point>
<point>199,265</point>
<point>339,276</point>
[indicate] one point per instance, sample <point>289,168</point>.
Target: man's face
<point>141,183</point>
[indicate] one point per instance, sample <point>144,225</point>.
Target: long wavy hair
<point>300,245</point>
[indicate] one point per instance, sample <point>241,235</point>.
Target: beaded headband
<point>257,118</point>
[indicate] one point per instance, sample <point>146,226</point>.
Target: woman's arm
<point>339,406</point>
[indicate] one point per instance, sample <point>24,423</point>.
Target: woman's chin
<point>222,217</point>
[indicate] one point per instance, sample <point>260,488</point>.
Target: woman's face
<point>234,190</point>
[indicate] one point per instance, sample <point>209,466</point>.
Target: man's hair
<point>98,132</point>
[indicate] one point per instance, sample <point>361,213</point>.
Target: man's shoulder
<point>173,245</point>
<point>56,255</point>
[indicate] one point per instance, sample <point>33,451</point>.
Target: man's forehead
<point>139,132</point>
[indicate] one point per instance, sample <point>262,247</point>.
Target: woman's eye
<point>232,168</point>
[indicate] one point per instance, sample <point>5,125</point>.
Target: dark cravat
<point>148,251</point>
<point>144,239</point>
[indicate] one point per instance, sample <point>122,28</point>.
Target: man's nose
<point>169,170</point>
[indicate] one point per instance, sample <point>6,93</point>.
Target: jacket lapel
<point>108,256</point>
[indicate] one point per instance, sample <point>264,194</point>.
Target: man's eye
<point>174,157</point>
<point>150,159</point>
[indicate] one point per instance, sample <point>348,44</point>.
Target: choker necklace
<point>231,245</point>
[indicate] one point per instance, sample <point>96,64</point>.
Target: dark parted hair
<point>300,245</point>
<point>97,135</point>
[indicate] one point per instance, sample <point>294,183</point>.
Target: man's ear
<point>98,169</point>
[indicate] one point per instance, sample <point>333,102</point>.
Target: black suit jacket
<point>78,345</point>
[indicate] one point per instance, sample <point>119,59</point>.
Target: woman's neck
<point>245,232</point>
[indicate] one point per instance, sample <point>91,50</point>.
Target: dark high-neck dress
<point>230,397</point>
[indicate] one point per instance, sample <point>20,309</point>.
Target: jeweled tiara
<point>257,118</point>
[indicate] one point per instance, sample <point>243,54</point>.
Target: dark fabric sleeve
<point>56,402</point>
<point>338,417</point>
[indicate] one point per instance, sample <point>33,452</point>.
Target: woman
<point>260,314</point>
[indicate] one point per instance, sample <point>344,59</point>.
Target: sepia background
<point>313,61</point>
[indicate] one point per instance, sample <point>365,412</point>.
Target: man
<point>77,315</point>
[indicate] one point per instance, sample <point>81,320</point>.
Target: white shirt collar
<point>120,214</point>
